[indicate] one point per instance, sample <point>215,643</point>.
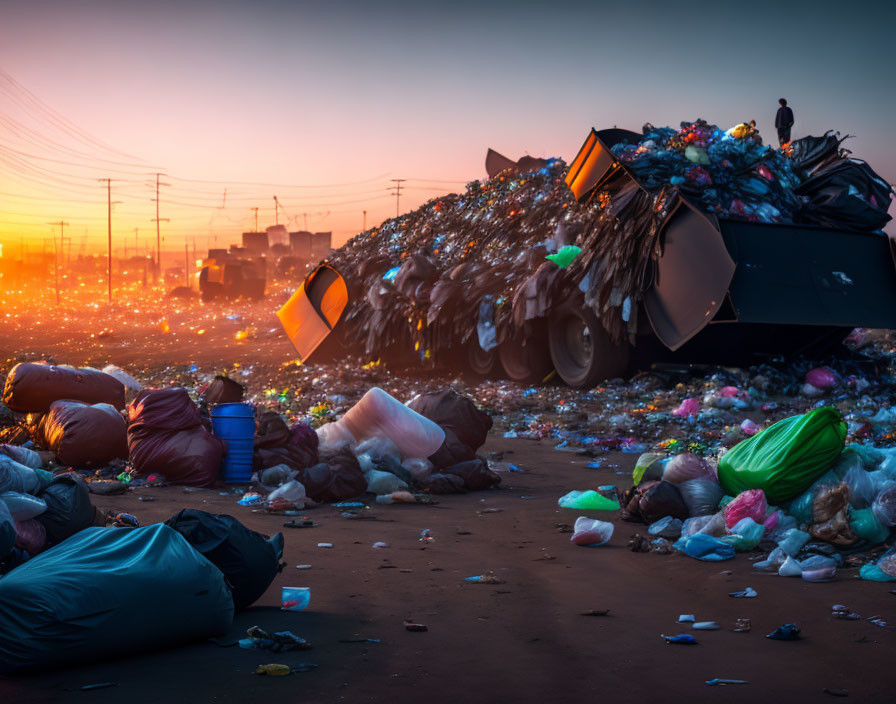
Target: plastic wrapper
<point>790,568</point>
<point>748,504</point>
<point>667,527</point>
<point>884,506</point>
<point>818,569</point>
<point>701,496</point>
<point>861,487</point>
<point>590,532</point>
<point>745,534</point>
<point>649,466</point>
<point>687,466</point>
<point>384,482</point>
<point>830,516</point>
<point>587,500</point>
<point>887,562</point>
<point>793,541</point>
<point>291,492</point>
<point>705,547</point>
<point>692,526</point>
<point>864,525</point>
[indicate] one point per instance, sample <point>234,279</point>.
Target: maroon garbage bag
<point>166,437</point>
<point>32,388</point>
<point>475,474</point>
<point>83,435</point>
<point>277,443</point>
<point>661,500</point>
<point>223,390</point>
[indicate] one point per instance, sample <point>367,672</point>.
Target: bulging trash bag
<point>32,388</point>
<point>166,436</point>
<point>18,477</point>
<point>748,504</point>
<point>745,534</point>
<point>442,483</point>
<point>821,378</point>
<point>22,506</point>
<point>861,488</point>
<point>686,466</point>
<point>83,435</point>
<point>864,524</point>
<point>667,527</point>
<point>131,386</point>
<point>784,459</point>
<point>22,455</point>
<point>223,390</point>
<point>338,477</point>
<point>884,507</point>
<point>847,460</point>
<point>790,568</point>
<point>661,500</point>
<point>590,532</point>
<point>108,592</point>
<point>701,496</point>
<point>69,510</point>
<point>249,560</point>
<point>384,482</point>
<point>454,412</point>
<point>705,547</point>
<point>793,541</point>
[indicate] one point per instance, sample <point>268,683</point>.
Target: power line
<point>158,264</point>
<point>396,191</point>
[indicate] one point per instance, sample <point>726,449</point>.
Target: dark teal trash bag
<point>106,592</point>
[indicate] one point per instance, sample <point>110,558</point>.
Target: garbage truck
<point>712,288</point>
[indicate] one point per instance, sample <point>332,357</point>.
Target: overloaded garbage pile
<point>478,264</point>
<point>84,444</point>
<point>192,572</point>
<point>792,490</point>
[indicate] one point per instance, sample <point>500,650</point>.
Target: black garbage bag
<point>69,510</point>
<point>661,500</point>
<point>442,483</point>
<point>249,560</point>
<point>475,474</point>
<point>808,153</point>
<point>337,477</point>
<point>223,390</point>
<point>848,194</point>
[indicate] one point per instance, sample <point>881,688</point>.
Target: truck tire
<point>481,363</point>
<point>526,358</point>
<point>581,349</point>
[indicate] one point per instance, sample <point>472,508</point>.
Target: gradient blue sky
<point>336,92</point>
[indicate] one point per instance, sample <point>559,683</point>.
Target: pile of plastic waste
<point>792,490</point>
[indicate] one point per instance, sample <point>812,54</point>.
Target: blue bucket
<point>234,423</point>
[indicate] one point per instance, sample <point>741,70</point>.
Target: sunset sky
<point>322,103</point>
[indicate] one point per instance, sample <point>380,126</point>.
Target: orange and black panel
<point>313,311</point>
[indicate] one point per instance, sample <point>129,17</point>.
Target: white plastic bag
<point>589,532</point>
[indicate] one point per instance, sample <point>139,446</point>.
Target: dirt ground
<point>525,640</point>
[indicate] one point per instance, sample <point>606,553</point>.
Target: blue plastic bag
<point>705,547</point>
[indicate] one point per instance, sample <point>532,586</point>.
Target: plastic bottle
<point>379,414</point>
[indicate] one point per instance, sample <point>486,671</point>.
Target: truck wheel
<point>481,363</point>
<point>581,348</point>
<point>526,358</point>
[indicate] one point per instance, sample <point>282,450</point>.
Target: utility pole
<point>276,211</point>
<point>364,228</point>
<point>186,264</point>
<point>305,216</point>
<point>158,264</point>
<point>396,191</point>
<point>256,219</point>
<point>109,220</point>
<point>136,243</point>
<point>62,225</point>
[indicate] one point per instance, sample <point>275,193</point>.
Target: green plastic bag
<point>649,466</point>
<point>563,258</point>
<point>784,459</point>
<point>587,500</point>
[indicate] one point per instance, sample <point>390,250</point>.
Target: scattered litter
<point>682,639</point>
<point>747,593</point>
<point>786,632</point>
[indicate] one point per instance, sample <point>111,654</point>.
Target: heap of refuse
<point>84,442</point>
<point>487,262</point>
<point>793,490</point>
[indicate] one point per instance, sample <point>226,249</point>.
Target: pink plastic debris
<point>747,504</point>
<point>688,407</point>
<point>729,391</point>
<point>821,378</point>
<point>749,427</point>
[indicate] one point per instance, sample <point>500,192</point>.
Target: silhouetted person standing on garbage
<point>784,121</point>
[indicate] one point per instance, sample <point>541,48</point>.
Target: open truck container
<point>718,290</point>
